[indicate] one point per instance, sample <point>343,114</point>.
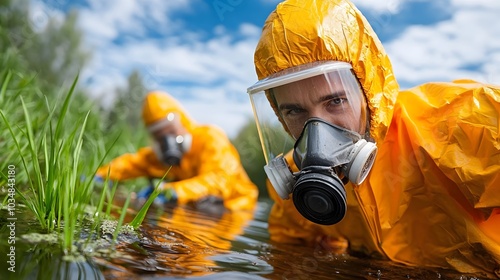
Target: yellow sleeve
<point>464,124</point>
<point>129,166</point>
<point>217,171</point>
<point>440,160</point>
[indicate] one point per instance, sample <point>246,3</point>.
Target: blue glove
<point>145,193</point>
<point>99,181</point>
<point>160,200</point>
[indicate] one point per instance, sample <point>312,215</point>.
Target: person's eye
<point>338,100</point>
<point>293,112</point>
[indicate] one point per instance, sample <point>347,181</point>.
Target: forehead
<point>308,88</point>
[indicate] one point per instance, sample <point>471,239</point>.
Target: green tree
<point>15,27</point>
<point>128,102</point>
<point>123,120</point>
<point>56,53</point>
<point>34,64</point>
<point>252,158</point>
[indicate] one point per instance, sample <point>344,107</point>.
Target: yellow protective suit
<point>211,167</point>
<point>432,198</point>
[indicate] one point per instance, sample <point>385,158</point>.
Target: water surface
<point>184,243</point>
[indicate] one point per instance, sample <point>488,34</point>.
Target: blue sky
<point>201,51</point>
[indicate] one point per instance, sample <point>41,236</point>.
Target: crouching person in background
<point>198,162</point>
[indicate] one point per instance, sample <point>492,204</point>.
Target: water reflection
<point>44,261</point>
<point>185,243</point>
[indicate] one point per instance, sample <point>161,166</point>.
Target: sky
<point>201,51</point>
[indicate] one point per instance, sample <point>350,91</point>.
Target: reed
<point>51,160</point>
<point>54,147</point>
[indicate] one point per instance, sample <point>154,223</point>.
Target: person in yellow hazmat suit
<point>197,162</point>
<point>412,176</point>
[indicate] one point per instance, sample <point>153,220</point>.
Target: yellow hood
<point>158,104</point>
<point>300,31</point>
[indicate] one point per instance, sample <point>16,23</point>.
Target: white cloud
<point>465,46</point>
<point>210,77</point>
<point>467,4</point>
<point>389,6</point>
<point>40,15</point>
<point>221,69</point>
<point>217,69</point>
<point>103,21</point>
<point>212,106</point>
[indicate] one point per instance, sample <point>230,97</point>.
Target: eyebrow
<point>288,106</point>
<point>326,97</point>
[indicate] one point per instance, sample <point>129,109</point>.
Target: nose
<point>321,114</point>
<point>343,119</point>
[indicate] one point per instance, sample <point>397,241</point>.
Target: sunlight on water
<point>182,243</point>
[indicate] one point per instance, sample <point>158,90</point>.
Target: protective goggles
<point>285,101</point>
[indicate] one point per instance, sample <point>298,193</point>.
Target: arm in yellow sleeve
<point>218,171</point>
<point>477,134</point>
<point>129,166</point>
<point>463,135</point>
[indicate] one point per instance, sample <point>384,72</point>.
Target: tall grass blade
<point>122,217</point>
<point>137,221</point>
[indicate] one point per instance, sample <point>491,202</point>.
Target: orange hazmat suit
<point>432,198</point>
<point>211,166</point>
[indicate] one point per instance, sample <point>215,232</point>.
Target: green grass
<point>137,221</point>
<point>47,139</point>
<point>51,160</point>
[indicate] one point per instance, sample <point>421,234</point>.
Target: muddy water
<point>182,243</point>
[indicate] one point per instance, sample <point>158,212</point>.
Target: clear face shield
<point>170,140</point>
<point>319,112</point>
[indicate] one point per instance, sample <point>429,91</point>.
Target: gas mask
<point>170,148</point>
<point>170,141</point>
<point>322,153</point>
<point>318,112</point>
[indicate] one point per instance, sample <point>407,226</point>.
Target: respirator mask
<point>317,114</point>
<point>170,141</point>
<point>322,153</point>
